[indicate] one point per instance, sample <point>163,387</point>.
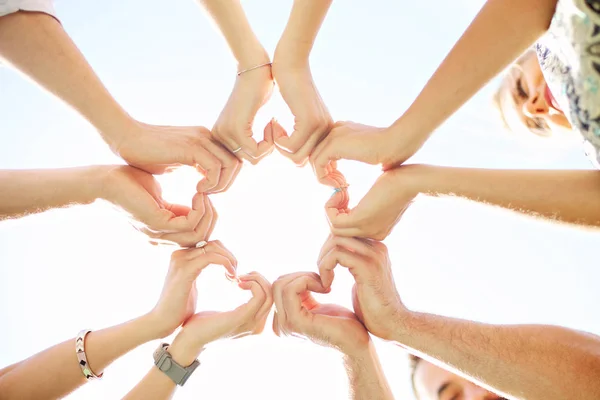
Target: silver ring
<point>236,150</point>
<point>202,245</point>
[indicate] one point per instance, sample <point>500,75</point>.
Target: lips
<point>551,100</point>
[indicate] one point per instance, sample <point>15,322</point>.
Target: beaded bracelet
<point>82,358</point>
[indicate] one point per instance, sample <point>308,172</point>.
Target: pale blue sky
<point>167,65</point>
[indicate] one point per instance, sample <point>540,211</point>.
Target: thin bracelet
<point>253,68</point>
<point>82,358</point>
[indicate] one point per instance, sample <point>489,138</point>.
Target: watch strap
<point>178,373</point>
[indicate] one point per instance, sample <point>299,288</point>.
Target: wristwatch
<point>177,373</point>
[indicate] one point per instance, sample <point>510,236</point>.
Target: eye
<point>521,92</point>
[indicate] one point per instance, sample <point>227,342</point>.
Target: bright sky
<point>85,267</point>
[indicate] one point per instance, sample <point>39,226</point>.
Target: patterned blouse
<point>570,57</point>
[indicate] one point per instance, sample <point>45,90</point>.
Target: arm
<point>565,196</point>
<point>298,313</point>
<point>37,45</point>
<point>298,38</point>
<point>533,362</point>
<point>204,328</point>
<point>33,191</point>
<point>233,24</point>
<point>292,72</point>
<point>501,31</point>
<point>522,361</point>
<point>57,369</point>
<point>365,376</point>
<point>252,88</point>
<point>132,190</point>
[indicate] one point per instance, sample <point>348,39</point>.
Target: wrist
<point>287,58</point>
<point>92,182</point>
<point>184,349</point>
<point>250,56</point>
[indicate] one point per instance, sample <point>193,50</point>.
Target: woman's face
<point>526,102</point>
<point>434,383</point>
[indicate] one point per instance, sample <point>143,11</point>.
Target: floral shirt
<point>570,57</point>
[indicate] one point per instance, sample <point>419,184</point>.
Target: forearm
<point>365,376</point>
<point>158,386</point>
<point>567,196</point>
<point>154,386</point>
<point>31,191</point>
<point>37,45</point>
<point>300,33</point>
<point>233,24</point>
<point>57,371</point>
<point>531,362</point>
<point>501,32</point>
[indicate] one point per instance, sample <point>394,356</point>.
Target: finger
<point>290,143</point>
<point>250,309</point>
<point>162,220</point>
<point>278,287</point>
<point>358,246</point>
<point>266,286</point>
<point>356,305</point>
<point>276,326</point>
<point>294,295</point>
<point>213,220</point>
<point>357,265</point>
<point>301,157</point>
<point>254,151</point>
<point>321,159</point>
<point>230,166</point>
<point>201,261</point>
<point>209,166</point>
<point>201,232</point>
<point>216,246</point>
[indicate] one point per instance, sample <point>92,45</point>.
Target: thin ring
<point>236,150</point>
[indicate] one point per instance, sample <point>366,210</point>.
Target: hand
<point>208,326</point>
<point>382,207</point>
<point>376,300</point>
<point>178,298</point>
<point>312,119</point>
<point>139,194</point>
<point>368,144</point>
<point>234,126</point>
<point>299,314</point>
<point>157,149</point>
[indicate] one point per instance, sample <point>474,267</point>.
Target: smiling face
<point>525,101</point>
<point>434,383</point>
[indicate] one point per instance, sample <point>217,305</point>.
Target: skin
<point>554,195</point>
<point>130,189</point>
<point>435,383</point>
<point>525,103</point>
<point>518,23</point>
<point>206,327</point>
<point>298,314</point>
<point>252,89</point>
<point>37,45</point>
<point>57,369</point>
<point>291,70</point>
<point>534,362</point>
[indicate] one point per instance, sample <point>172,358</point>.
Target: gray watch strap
<point>165,363</point>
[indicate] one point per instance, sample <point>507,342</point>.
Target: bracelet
<point>253,68</point>
<point>82,358</point>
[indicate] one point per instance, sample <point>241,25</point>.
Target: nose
<point>535,105</point>
<point>474,392</point>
